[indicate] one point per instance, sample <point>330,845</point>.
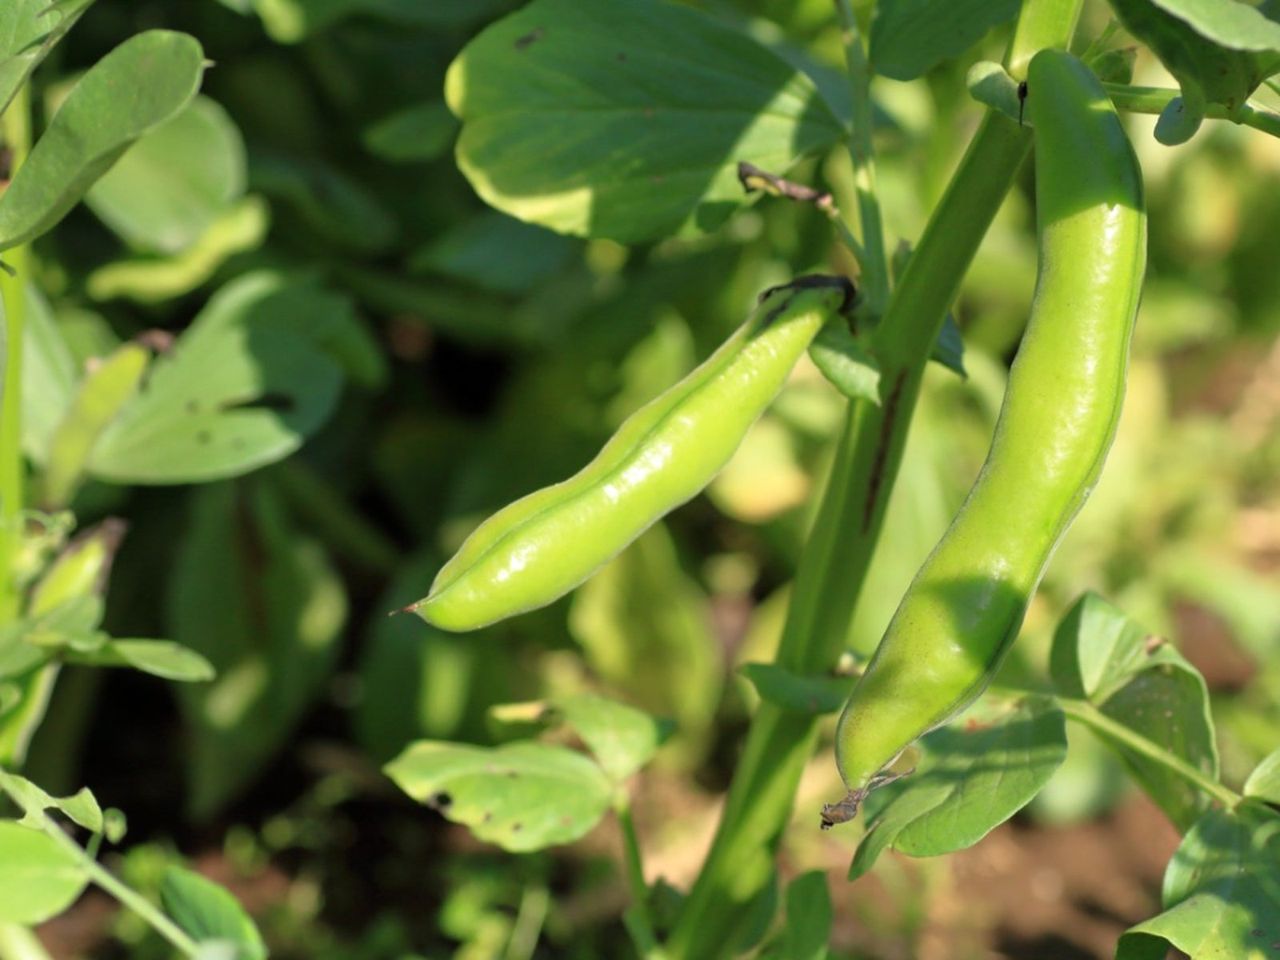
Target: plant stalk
<point>874,264</point>
<point>1090,716</point>
<point>1155,99</point>
<point>838,552</point>
<point>15,130</point>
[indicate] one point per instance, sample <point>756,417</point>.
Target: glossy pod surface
<point>1059,415</point>
<point>542,546</point>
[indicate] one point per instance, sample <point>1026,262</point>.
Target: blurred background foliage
<point>473,358</point>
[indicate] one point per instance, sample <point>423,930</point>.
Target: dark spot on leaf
<point>566,821</point>
<point>237,443</point>
<point>1152,644</point>
<point>192,406</point>
<point>517,827</point>
<point>530,38</point>
<point>513,774</point>
<point>1256,933</point>
<point>441,800</point>
<point>267,401</point>
<point>487,817</point>
<point>648,111</point>
<point>622,58</point>
<point>204,438</point>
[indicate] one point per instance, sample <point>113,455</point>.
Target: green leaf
<point>1264,782</point>
<point>1206,71</point>
<point>622,738</point>
<point>159,658</point>
<point>289,21</point>
<point>412,135</point>
<point>49,375</point>
<point>254,375</point>
<point>843,360</point>
<point>642,623</point>
<point>172,184</point>
<point>260,601</point>
<point>495,252</point>
<point>241,227</point>
<point>104,391</point>
<point>28,31</point>
<point>797,693</point>
<point>910,37</point>
<point>418,682</point>
<point>40,879</point>
<point>1102,656</point>
<point>1229,23</point>
<point>159,70</point>
<point>81,808</point>
<point>948,349</point>
<point>808,923</point>
<point>991,85</point>
<point>1221,891</point>
<point>522,796</point>
<point>626,120</point>
<point>208,912</point>
<point>973,775</point>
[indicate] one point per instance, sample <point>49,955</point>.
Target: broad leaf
<point>207,912</point>
<point>911,37</point>
<point>156,279</point>
<point>159,658</point>
<point>81,808</point>
<point>1221,891</point>
<point>1141,681</point>
<point>642,623</point>
<point>808,920</point>
<point>95,125</point>
<point>1264,782</point>
<point>522,796</point>
<point>258,371</point>
<point>972,776</point>
<point>40,879</point>
<point>172,184</point>
<point>625,120</point>
<point>622,738</point>
<point>1206,71</point>
<point>259,600</point>
<point>49,375</point>
<point>845,361</point>
<point>1230,23</point>
<point>28,31</point>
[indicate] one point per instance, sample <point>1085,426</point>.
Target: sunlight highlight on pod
<point>537,549</point>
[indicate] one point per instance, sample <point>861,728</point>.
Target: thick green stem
<point>639,919</point>
<point>844,534</point>
<point>1155,99</point>
<point>15,129</point>
<point>875,266</point>
<point>1090,716</point>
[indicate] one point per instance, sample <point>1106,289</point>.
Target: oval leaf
<point>208,912</point>
<point>625,120</point>
<point>173,183</point>
<point>973,775</point>
<point>910,37</point>
<point>241,388</point>
<point>522,796</point>
<point>137,86</point>
<point>1264,782</point>
<point>40,878</point>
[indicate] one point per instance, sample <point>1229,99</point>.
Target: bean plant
<point>233,242</point>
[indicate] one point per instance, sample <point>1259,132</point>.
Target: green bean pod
<point>545,544</point>
<point>1066,387</point>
